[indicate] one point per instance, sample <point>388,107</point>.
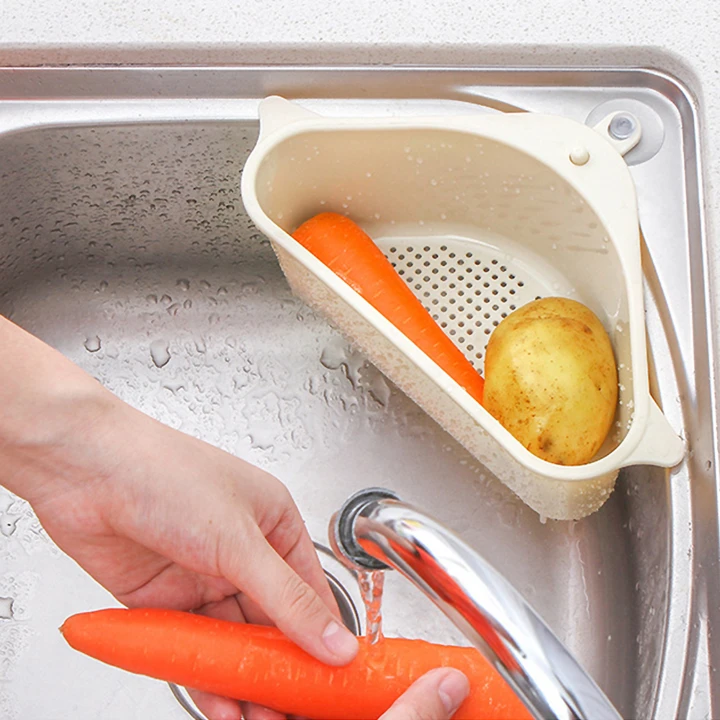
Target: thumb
<point>435,696</point>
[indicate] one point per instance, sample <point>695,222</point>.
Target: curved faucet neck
<point>481,602</point>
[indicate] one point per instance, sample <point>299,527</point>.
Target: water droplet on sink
<point>333,356</point>
<point>93,344</point>
<point>8,523</point>
<point>6,608</point>
<point>380,390</point>
<point>160,353</point>
<point>183,284</point>
<point>175,387</point>
<point>262,439</point>
<point>165,299</point>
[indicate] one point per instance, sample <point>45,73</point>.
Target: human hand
<point>155,516</point>
<point>435,696</point>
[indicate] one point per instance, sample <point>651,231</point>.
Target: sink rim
<point>686,521</point>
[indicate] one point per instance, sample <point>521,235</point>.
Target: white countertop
<point>494,31</point>
<point>677,36</point>
<point>681,37</point>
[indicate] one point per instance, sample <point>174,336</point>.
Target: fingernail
<point>453,690</point>
<point>340,641</point>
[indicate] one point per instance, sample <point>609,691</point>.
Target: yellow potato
<point>551,379</point>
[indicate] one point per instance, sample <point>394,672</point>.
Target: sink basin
<point>124,244</point>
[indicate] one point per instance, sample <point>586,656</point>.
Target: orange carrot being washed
<point>260,665</point>
<point>348,251</point>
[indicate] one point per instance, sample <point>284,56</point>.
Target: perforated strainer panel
<point>467,286</point>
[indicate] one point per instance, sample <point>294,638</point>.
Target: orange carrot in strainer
<point>348,251</point>
<point>260,665</point>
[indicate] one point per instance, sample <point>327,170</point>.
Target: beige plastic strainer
<point>480,215</point>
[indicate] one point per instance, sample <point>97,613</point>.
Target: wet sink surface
<point>124,244</point>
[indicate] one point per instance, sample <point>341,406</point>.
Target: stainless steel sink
<point>123,243</point>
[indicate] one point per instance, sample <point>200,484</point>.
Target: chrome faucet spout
<point>375,529</point>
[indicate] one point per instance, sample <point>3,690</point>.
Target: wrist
<point>48,406</point>
<point>43,440</point>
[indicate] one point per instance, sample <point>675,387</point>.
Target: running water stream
<point>371,589</point>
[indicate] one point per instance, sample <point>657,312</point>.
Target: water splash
<point>371,584</point>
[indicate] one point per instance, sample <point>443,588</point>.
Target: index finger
<point>291,603</point>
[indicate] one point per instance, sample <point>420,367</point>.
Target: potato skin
<point>551,379</point>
